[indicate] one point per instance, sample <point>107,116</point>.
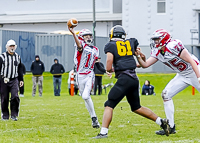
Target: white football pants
<point>85,83</point>
<point>176,85</point>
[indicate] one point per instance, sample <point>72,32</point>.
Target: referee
<point>11,75</point>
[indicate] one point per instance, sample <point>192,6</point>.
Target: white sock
<point>90,107</point>
<point>104,130</point>
<point>169,112</point>
<point>158,121</point>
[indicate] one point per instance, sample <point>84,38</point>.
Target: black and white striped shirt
<point>9,65</point>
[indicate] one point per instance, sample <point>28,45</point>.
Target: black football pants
<point>125,86</point>
<point>6,88</point>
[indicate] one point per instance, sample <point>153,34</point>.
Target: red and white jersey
<point>172,58</point>
<point>85,59</point>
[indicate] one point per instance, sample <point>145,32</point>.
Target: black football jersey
<point>123,52</point>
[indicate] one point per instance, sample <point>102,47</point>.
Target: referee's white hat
<point>10,42</point>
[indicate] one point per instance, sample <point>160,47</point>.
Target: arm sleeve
<point>51,69</point>
<point>20,71</point>
<point>108,48</point>
<point>1,62</point>
<point>100,67</point>
<point>155,52</point>
<point>43,67</point>
<point>135,43</point>
<point>176,47</point>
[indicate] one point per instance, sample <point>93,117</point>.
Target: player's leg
<point>15,101</point>
<point>4,100</point>
<point>40,85</point>
<point>85,87</point>
<point>176,85</point>
<point>54,85</point>
<point>59,85</point>
<point>115,95</point>
<point>34,85</point>
<point>86,95</point>
<point>134,102</point>
<point>81,83</point>
<point>99,85</point>
<point>191,79</point>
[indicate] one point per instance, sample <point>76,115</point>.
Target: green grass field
<point>65,119</point>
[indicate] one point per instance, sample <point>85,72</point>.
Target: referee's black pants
<point>98,82</point>
<point>6,88</point>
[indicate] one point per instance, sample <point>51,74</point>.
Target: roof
<point>55,17</point>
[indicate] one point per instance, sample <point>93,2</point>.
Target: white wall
<point>52,6</point>
<point>102,28</point>
<point>140,19</point>
<point>21,11</point>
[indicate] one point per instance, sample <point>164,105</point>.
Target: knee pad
<point>165,95</point>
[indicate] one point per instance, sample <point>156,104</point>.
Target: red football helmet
<point>163,36</point>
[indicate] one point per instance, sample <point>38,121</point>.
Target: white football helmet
<point>163,36</point>
<point>11,43</point>
<point>84,32</point>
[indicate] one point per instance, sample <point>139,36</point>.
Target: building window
<point>161,6</point>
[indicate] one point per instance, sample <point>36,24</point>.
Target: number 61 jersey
<point>171,57</point>
<point>85,59</point>
<point>123,51</point>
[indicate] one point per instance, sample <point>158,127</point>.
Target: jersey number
<point>122,49</point>
<point>88,60</point>
<point>181,66</point>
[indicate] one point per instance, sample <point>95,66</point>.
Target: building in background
<point>52,15</point>
<point>179,17</point>
<point>139,18</point>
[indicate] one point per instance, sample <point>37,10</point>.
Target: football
<point>73,22</point>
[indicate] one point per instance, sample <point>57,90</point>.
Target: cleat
<point>162,132</point>
<point>100,136</point>
<point>95,123</point>
<point>4,119</point>
<point>21,95</point>
<point>165,126</point>
<point>14,118</point>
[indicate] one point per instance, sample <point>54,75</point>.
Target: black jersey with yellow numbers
<point>123,52</point>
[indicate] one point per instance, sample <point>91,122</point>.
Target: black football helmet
<point>117,32</point>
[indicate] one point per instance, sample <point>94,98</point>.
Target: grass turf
<point>66,119</point>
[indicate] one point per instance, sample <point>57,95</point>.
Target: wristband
<point>138,56</point>
<point>198,79</point>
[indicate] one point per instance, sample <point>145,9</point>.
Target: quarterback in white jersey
<point>84,58</point>
<point>173,54</point>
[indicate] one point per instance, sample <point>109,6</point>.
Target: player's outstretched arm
<point>186,57</point>
<point>145,64</point>
<point>99,67</point>
<point>80,48</point>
